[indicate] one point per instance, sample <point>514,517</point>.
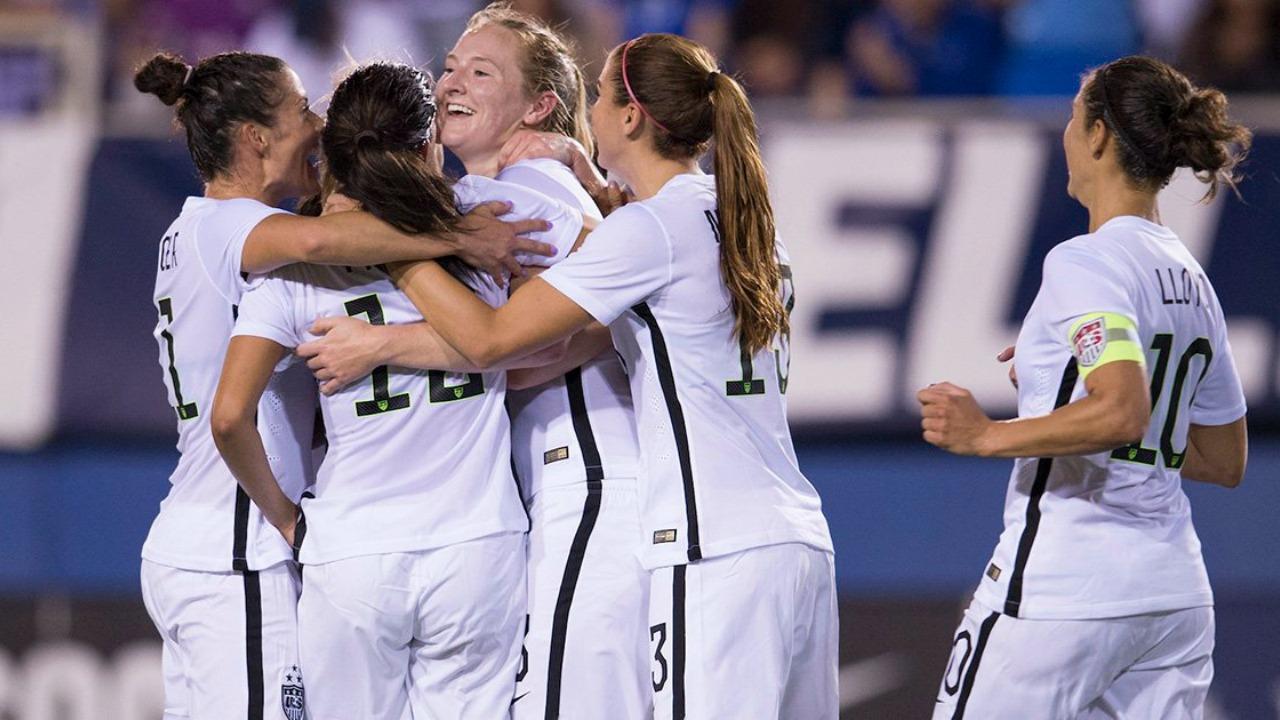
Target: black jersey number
<point>383,400</point>
<point>185,410</point>
<point>439,392</point>
<point>749,384</point>
<point>1163,345</point>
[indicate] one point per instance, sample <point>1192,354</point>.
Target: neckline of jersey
<point>1123,220</point>
<point>682,178</point>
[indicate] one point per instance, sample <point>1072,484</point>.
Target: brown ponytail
<point>691,103</point>
<point>1162,122</point>
<point>379,123</point>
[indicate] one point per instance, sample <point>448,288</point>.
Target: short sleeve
<point>526,204</point>
<point>1219,399</point>
<point>267,311</point>
<point>623,262</point>
<point>1078,284</point>
<point>220,242</point>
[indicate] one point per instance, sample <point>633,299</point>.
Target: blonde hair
<point>678,84</point>
<point>548,65</point>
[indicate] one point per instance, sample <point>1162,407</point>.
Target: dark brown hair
<point>379,122</point>
<point>678,84</point>
<point>214,98</point>
<point>1162,122</point>
<point>547,63</point>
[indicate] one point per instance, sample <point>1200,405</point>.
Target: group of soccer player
<point>523,433</point>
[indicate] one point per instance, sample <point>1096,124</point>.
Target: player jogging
<point>693,284</point>
<point>573,427</point>
<point>1096,602</point>
<point>217,582</point>
<point>413,545</point>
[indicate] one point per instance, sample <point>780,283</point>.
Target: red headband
<point>632,95</point>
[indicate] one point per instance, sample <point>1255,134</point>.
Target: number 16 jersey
<point>1110,534</point>
<point>720,472</point>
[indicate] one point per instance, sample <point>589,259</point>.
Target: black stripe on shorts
<point>253,644</point>
<point>677,641</point>
<point>984,633</point>
<point>578,549</point>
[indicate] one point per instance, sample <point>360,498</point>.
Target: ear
<point>542,107</point>
<point>631,121</point>
<point>1099,137</point>
<point>254,137</point>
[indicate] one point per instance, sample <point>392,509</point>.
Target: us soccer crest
<point>1089,341</point>
<point>292,696</point>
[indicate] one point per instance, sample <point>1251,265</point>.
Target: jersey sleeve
<point>1090,308</point>
<point>267,311</point>
<point>220,243</point>
<point>526,204</point>
<point>1219,399</point>
<point>624,261</point>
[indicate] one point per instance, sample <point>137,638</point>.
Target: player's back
<point>712,417</point>
<point>417,459</point>
<point>203,523</point>
<point>1119,514</point>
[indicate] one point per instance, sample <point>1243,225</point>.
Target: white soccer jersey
<point>417,459</point>
<point>207,522</point>
<point>1110,534</point>
<point>720,472</point>
<point>584,417</point>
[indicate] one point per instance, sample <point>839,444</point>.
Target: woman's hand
<point>346,350</point>
<point>1004,356</point>
<point>952,420</point>
<point>490,245</point>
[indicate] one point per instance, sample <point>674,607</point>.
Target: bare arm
<point>1217,454</point>
<point>536,316</point>
<point>359,238</point>
<point>1114,413</point>
<point>349,349</point>
<point>245,373</point>
<point>581,347</point>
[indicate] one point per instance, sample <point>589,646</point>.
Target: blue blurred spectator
<point>613,21</point>
<point>1051,42</point>
<point>927,47</point>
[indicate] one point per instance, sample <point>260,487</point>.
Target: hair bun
<point>164,75</point>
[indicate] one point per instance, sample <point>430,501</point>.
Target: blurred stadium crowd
<point>828,52</point>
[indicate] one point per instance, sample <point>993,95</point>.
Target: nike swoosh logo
<point>519,697</point>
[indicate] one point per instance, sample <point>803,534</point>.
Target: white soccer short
<point>435,633</point>
<point>230,642</point>
<point>1131,668</point>
<point>749,635</point>
<point>586,651</point>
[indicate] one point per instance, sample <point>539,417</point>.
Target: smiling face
<point>292,143</point>
<point>482,94</point>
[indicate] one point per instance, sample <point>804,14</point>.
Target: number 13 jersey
<point>720,472</point>
<point>1110,534</point>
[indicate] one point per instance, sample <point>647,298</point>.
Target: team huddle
<point>515,444</point>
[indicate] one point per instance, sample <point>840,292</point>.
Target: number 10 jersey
<point>1110,534</point>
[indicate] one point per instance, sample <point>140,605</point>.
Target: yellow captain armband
<point>1099,338</point>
